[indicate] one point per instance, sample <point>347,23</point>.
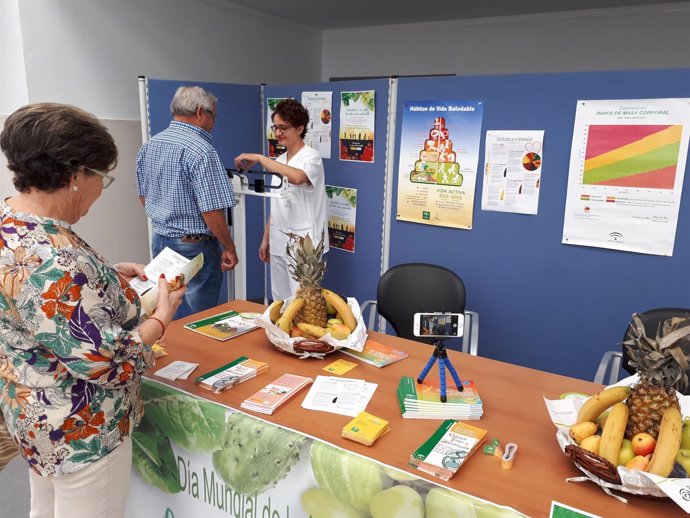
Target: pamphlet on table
<point>237,371</point>
<point>447,449</point>
<point>376,354</point>
<point>224,326</point>
<point>273,395</point>
<point>344,396</point>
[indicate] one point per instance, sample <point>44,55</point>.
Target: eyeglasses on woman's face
<point>282,128</point>
<point>107,179</point>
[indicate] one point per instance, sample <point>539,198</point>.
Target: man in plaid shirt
<point>183,186</point>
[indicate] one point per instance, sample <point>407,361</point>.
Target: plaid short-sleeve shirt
<point>180,175</point>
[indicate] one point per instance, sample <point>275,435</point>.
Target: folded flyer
<point>273,395</point>
<point>376,354</point>
<point>178,271</point>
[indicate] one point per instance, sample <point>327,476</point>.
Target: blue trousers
<point>203,290</point>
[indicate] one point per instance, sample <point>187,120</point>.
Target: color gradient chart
<point>642,156</point>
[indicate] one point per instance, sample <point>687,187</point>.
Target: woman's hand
<point>246,160</point>
<point>168,301</point>
<point>131,270</point>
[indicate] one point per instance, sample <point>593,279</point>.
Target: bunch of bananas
<point>607,411</point>
<point>341,320</point>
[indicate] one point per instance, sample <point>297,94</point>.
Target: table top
<point>514,411</point>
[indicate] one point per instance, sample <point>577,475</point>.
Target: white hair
<point>188,99</point>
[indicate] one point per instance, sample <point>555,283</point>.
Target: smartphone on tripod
<point>438,325</point>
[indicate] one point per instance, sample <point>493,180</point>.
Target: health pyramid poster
<point>437,170</point>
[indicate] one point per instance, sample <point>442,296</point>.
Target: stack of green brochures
<point>234,373</point>
<point>423,401</point>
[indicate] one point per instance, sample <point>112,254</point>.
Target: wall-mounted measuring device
<point>268,185</point>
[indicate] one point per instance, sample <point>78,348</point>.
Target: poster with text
<point>439,152</point>
<point>512,171</point>
<point>357,124</point>
<point>625,180</point>
<point>342,215</point>
<point>274,149</point>
<point>320,107</point>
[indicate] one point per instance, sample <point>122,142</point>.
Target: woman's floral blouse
<point>70,351</point>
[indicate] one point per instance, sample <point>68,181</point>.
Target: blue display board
<point>354,274</point>
<point>543,304</point>
<point>237,129</point>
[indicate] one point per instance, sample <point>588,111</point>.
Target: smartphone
<point>438,325</point>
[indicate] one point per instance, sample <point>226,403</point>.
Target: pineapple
<point>662,366</point>
<point>307,265</point>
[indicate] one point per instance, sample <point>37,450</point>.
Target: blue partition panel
<point>354,274</point>
<point>237,129</point>
<point>543,304</point>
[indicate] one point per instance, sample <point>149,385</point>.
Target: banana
<point>595,405</point>
<point>310,329</point>
<point>341,307</point>
<point>581,431</point>
<point>612,435</point>
<point>667,444</point>
<point>274,310</point>
<point>290,313</point>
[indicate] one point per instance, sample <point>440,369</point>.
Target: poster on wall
<point>274,149</point>
<point>512,171</point>
<point>342,215</point>
<point>439,152</point>
<point>320,107</point>
<point>357,124</point>
<point>625,180</point>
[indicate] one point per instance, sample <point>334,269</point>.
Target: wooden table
<point>514,411</point>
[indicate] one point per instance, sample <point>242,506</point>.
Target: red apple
<point>643,444</point>
<point>296,331</point>
<point>640,462</point>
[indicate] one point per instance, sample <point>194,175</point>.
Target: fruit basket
<point>311,347</point>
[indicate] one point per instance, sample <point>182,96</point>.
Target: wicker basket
<point>309,348</point>
<point>604,474</point>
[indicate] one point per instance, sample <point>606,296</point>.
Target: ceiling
<point>340,14</point>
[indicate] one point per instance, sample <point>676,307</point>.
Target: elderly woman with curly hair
<point>73,343</point>
<point>303,211</point>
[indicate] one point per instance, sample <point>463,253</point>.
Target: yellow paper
<point>340,367</point>
<point>365,428</point>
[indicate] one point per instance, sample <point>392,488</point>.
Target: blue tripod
<point>443,362</point>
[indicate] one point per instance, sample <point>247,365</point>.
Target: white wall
<point>604,39</point>
<point>90,52</point>
<point>13,91</point>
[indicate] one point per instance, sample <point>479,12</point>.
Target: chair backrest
<point>652,319</point>
<point>412,288</point>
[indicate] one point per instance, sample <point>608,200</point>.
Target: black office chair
<point>412,288</point>
<point>612,361</point>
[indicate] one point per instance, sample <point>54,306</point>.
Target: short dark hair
<point>294,113</point>
<point>46,143</point>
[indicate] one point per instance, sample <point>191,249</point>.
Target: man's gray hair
<point>188,98</point>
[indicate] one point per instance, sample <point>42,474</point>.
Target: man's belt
<point>199,237</point>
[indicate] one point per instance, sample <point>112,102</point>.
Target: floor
<point>14,490</point>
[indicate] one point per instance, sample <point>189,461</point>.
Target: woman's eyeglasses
<point>282,128</point>
<point>107,179</point>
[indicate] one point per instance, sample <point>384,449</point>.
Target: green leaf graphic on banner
<point>255,455</point>
<point>194,424</point>
<point>154,459</point>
